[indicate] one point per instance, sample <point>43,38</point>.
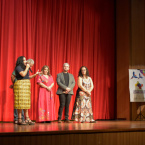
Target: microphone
<point>29,67</point>
<point>30,70</point>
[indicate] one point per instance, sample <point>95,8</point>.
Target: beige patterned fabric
<point>22,94</point>
<point>83,105</point>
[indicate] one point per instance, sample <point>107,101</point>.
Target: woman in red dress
<point>46,107</point>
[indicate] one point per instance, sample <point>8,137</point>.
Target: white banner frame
<point>137,85</point>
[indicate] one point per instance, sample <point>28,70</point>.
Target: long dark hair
<point>20,62</point>
<point>80,72</point>
<point>45,66</point>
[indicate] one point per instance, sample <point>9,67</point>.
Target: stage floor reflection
<point>57,128</point>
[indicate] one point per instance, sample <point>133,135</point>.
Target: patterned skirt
<point>22,94</point>
<point>83,109</point>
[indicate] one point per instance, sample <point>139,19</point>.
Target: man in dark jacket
<point>66,83</point>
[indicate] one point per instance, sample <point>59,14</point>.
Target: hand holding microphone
<point>28,65</point>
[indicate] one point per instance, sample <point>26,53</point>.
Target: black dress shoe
<point>67,121</point>
<point>59,121</point>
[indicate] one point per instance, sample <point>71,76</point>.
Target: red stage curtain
<point>80,32</point>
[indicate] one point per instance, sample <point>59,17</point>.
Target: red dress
<point>46,111</point>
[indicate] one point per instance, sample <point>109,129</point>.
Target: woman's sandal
<point>93,121</point>
<point>16,122</point>
<point>28,121</point>
<point>21,122</point>
<point>82,122</point>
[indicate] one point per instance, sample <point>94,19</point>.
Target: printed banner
<point>137,85</point>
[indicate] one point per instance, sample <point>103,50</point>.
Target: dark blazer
<point>61,83</point>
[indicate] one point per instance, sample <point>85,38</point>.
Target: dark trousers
<point>64,100</point>
<point>16,115</point>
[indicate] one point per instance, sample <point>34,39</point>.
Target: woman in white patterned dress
<point>83,106</point>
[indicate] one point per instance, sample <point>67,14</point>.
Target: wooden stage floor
<point>61,128</point>
<point>57,133</point>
